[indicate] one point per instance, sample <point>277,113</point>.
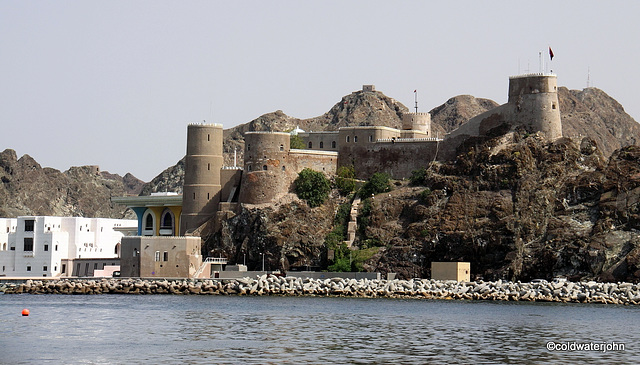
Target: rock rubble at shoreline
<point>542,291</point>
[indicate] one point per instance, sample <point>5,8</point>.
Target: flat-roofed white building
<point>37,246</point>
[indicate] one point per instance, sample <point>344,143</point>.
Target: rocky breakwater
<point>540,291</point>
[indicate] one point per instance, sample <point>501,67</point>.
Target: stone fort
<point>271,165</point>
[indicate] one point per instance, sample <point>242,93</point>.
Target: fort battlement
<point>209,125</point>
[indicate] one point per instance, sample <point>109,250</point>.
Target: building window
<point>248,167</point>
<point>28,244</point>
<point>321,144</point>
<point>44,268</point>
<point>56,248</point>
<point>333,144</point>
<point>553,106</point>
<point>283,168</point>
<point>13,247</point>
<point>310,144</point>
<point>95,266</point>
<point>355,139</point>
<point>28,268</point>
<point>157,255</point>
<point>208,137</point>
<point>264,167</point>
<point>165,256</point>
<point>281,147</point>
<point>46,247</point>
<point>370,138</point>
<point>348,139</point>
<point>64,269</point>
<point>249,147</point>
<point>28,225</point>
<point>208,167</point>
<point>148,223</point>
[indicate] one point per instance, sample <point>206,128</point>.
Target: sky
<point>115,83</point>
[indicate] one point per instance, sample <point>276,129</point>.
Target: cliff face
<point>29,189</point>
<point>523,211</point>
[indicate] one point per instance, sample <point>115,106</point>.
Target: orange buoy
<point>25,312</point>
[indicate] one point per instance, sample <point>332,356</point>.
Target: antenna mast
<point>588,75</point>
<point>415,93</point>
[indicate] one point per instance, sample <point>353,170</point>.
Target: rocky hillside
<point>594,114</point>
<point>523,211</point>
<point>29,189</point>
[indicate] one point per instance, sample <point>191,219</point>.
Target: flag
<point>551,53</point>
<point>415,90</point>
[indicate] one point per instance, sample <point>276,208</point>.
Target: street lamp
<point>262,261</point>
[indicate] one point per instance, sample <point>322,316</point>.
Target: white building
<point>37,246</point>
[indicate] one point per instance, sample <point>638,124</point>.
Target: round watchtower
<point>201,191</point>
<point>265,166</point>
<point>417,122</point>
<point>534,99</point>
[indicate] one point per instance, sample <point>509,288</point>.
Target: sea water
<point>169,329</point>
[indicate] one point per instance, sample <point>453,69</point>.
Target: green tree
<point>312,186</point>
<point>296,142</point>
<point>345,181</point>
<point>378,183</point>
<point>418,176</point>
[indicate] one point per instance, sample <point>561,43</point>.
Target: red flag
<point>415,90</point>
<point>551,53</point>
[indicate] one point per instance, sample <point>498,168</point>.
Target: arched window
<point>348,139</point>
<point>333,144</point>
<point>281,147</point>
<point>264,167</point>
<point>355,139</point>
<point>310,144</point>
<point>321,144</point>
<point>148,224</point>
<point>117,249</point>
<point>167,223</point>
<point>370,138</point>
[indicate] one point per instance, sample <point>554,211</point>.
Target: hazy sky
<point>115,83</point>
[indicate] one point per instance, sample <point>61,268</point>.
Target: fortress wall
<point>265,175</point>
<point>531,84</point>
<point>326,162</point>
<point>321,140</point>
<point>229,179</point>
<point>397,159</point>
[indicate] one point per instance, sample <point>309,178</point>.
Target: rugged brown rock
<point>29,189</point>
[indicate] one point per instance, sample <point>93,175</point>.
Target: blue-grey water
<point>129,329</point>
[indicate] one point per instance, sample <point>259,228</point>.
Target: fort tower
<point>201,192</point>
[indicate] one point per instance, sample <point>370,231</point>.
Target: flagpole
<point>415,93</point>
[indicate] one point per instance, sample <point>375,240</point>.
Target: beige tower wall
<point>535,104</point>
<point>420,122</point>
<point>267,172</point>
<point>201,192</point>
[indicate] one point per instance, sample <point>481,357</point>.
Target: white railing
<point>394,140</point>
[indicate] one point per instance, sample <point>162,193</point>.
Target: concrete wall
<point>203,162</point>
<point>87,267</point>
<point>459,271</point>
<point>139,257</point>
